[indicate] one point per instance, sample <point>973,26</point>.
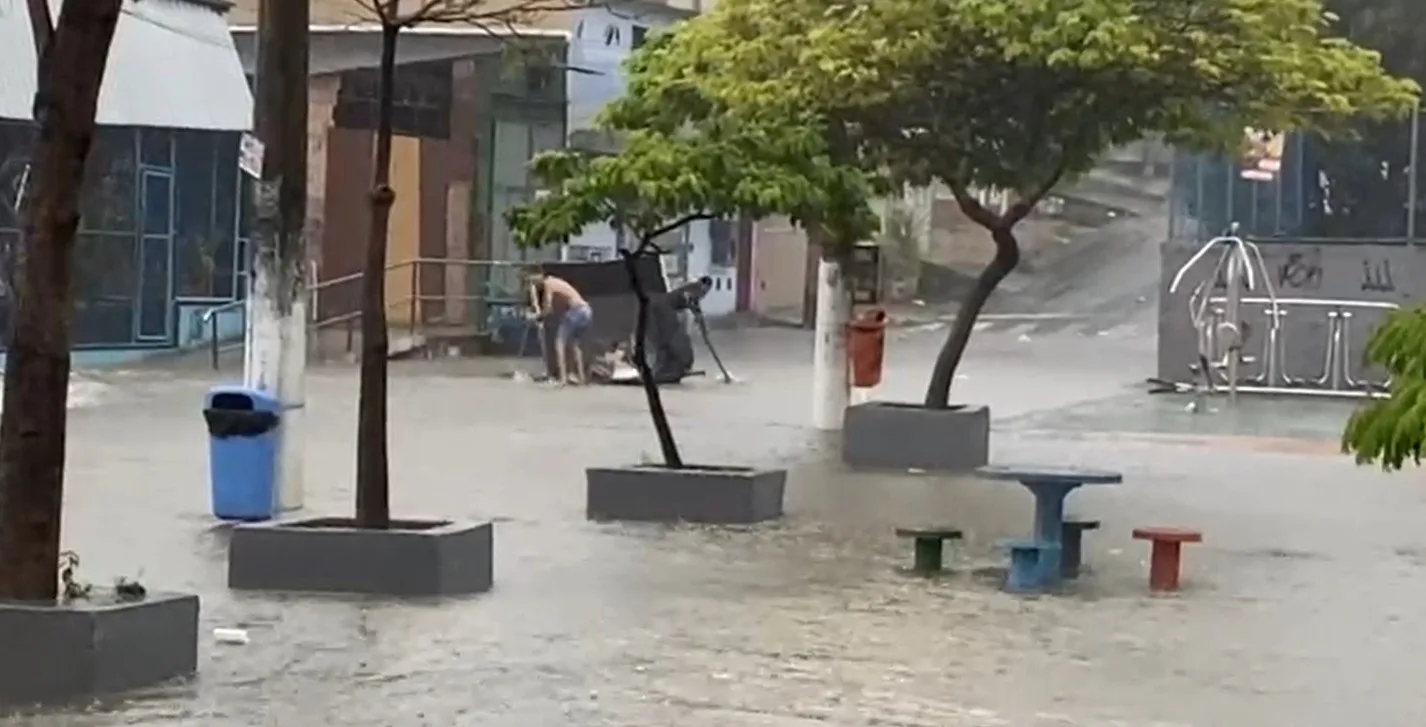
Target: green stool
<point>929,547</point>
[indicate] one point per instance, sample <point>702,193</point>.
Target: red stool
<point>1165,556</point>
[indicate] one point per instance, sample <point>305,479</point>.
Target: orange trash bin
<point>866,346</point>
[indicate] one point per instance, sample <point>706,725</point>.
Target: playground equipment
<point>1220,307</point>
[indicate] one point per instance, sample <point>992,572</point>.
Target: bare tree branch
<point>42,25</point>
<point>507,15</point>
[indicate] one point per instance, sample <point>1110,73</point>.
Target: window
<point>723,243</point>
<point>205,220</point>
<point>421,98</point>
<point>640,34</point>
<point>105,279</point>
<point>156,148</point>
<point>109,201</point>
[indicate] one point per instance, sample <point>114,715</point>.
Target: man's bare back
<point>549,294</point>
<point>557,290</point>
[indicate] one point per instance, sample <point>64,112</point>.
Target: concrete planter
<point>60,652</point>
<point>696,494</point>
<point>886,435</point>
<point>332,555</point>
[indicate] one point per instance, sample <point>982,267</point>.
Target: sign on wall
<point>1262,154</point>
<point>250,152</point>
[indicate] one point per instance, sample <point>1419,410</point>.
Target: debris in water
<point>235,637</point>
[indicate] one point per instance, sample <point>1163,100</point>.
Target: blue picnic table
<point>1050,485</point>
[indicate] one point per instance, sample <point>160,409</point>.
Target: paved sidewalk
<point>1300,608</point>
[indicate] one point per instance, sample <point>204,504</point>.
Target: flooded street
<point>1301,607</point>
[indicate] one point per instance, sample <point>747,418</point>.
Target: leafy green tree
<point>669,175</point>
<point>1390,431</point>
<point>1020,95</point>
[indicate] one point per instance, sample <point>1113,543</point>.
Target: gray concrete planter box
<point>887,435</point>
<point>332,555</point>
<point>695,494</point>
<point>60,652</point>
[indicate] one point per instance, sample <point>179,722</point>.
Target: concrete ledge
<point>696,494</point>
<point>332,555</point>
<point>61,652</point>
<point>886,435</point>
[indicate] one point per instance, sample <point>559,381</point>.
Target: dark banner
<point>605,285</point>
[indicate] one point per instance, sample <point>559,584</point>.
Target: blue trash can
<point>242,451</point>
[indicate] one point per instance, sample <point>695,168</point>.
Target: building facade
<point>467,121</point>
<point>474,168</point>
<point>163,228</point>
<point>602,37</point>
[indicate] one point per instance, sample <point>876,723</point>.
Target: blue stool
<point>1072,542</point>
<point>1034,565</point>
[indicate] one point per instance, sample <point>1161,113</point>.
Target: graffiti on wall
<point>1302,270</point>
<point>1345,272</point>
<point>1376,276</point>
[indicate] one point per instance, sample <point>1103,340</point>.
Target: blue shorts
<point>575,322</point>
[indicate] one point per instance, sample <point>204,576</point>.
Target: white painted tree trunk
<point>262,336</point>
<point>274,361</point>
<point>292,391</point>
<point>831,384</point>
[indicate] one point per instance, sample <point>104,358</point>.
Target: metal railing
<point>472,302</point>
<point>210,318</point>
<point>1336,377</point>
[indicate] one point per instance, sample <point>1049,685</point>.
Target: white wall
<point>602,39</point>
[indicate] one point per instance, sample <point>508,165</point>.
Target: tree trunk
<point>662,428</point>
<point>831,384</point>
<point>32,425</point>
<point>1007,256</point>
<point>373,503</point>
<point>274,350</point>
<point>811,263</point>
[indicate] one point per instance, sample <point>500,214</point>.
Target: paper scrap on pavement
<point>623,372</point>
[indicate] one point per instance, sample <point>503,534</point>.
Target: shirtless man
<point>549,294</point>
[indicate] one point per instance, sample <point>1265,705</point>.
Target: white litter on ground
<point>234,637</point>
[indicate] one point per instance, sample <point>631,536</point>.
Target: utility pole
<point>275,340</point>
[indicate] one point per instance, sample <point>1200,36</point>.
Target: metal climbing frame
<point>1220,328</point>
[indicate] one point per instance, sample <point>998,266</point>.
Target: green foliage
<point>681,160</point>
<point>1016,94</point>
<point>1390,431</point>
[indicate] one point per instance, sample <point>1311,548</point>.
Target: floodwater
<point>1300,608</point>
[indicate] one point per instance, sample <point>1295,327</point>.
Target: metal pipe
<point>1332,393</point>
<point>415,296</point>
<point>1335,345</point>
<point>1319,302</point>
<point>1271,366</point>
<point>1329,354</point>
<point>1345,352</point>
<point>1232,323</point>
<point>1411,180</point>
